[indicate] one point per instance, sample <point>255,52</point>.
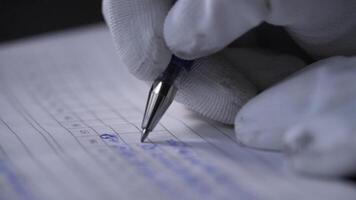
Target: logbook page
<point>70,117</point>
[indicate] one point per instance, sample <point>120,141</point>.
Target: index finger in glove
<point>199,28</point>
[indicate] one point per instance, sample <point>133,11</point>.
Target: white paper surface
<point>70,117</point>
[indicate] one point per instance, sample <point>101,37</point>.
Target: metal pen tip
<point>144,135</point>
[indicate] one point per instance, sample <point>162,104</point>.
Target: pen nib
<point>144,135</point>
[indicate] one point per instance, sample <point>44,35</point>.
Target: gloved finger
<point>137,29</point>
<point>318,26</point>
<point>324,144</point>
<point>217,86</point>
<point>199,28</point>
<point>263,121</point>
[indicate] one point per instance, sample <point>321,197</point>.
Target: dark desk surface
<point>22,18</point>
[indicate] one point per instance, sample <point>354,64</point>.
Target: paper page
<point>70,119</point>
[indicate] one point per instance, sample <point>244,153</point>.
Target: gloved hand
<point>146,32</point>
<point>216,87</point>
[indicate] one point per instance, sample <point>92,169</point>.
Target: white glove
<point>216,87</point>
<point>311,114</point>
<point>199,28</point>
<point>145,32</point>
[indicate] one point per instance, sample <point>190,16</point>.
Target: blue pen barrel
<point>186,64</point>
<point>174,68</point>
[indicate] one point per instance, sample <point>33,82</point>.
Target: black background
<point>22,18</point>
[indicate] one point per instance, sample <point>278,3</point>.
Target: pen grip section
<point>174,68</point>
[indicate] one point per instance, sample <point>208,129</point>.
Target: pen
<point>161,94</point>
